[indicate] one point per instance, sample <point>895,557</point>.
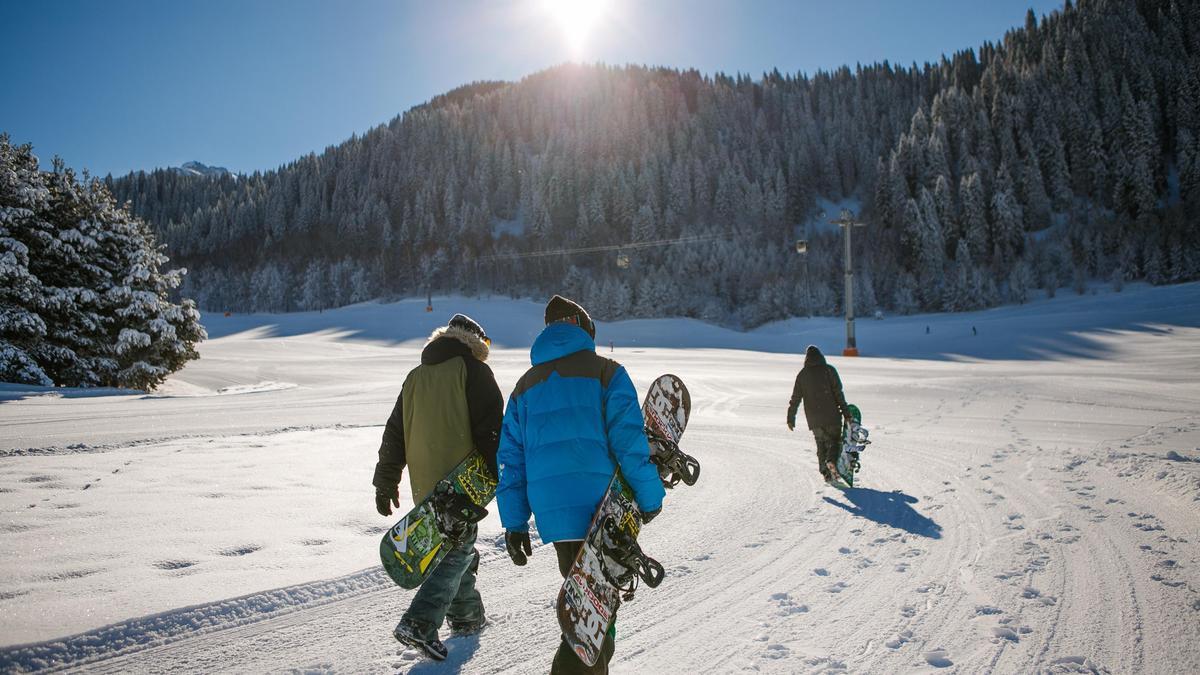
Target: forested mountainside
<point>1068,151</point>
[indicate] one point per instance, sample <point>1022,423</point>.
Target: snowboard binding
<point>455,512</point>
<point>621,550</point>
<point>674,465</point>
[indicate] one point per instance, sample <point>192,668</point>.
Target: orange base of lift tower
<point>850,351</point>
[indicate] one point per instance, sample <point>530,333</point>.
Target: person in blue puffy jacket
<point>569,418</point>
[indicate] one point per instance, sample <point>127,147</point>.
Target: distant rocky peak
<point>198,169</point>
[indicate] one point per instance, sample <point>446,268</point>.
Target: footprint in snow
<point>1170,583</point>
<point>821,572</point>
<point>786,605</point>
<point>938,658</point>
<point>908,611</point>
<point>900,639</point>
<point>1031,593</point>
<point>837,587</point>
<point>235,551</point>
<point>777,651</point>
<point>1077,664</point>
<point>1005,633</point>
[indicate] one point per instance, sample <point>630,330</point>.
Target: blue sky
<point>120,85</point>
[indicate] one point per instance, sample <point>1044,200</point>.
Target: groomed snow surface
<point>1029,502</point>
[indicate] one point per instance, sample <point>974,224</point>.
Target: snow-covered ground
<point>1029,502</point>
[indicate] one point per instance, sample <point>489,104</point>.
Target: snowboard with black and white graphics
<point>854,441</point>
<point>413,547</point>
<point>610,563</point>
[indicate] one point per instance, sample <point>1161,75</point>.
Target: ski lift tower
<point>847,221</point>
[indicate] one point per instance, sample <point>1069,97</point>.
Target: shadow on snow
<point>888,508</point>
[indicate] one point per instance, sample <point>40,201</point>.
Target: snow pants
<point>565,661</point>
<point>829,446</point>
<point>448,592</point>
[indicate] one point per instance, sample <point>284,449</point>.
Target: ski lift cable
<point>695,239</point>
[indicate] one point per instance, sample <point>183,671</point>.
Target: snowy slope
<point>1029,503</point>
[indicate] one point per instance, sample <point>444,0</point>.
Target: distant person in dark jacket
<point>572,419</point>
<point>820,389</point>
<point>448,407</point>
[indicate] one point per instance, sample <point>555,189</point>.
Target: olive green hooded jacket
<point>449,405</point>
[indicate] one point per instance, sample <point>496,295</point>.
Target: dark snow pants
<point>829,446</point>
<point>565,661</point>
<point>448,592</point>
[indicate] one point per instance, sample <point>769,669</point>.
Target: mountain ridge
<point>1078,119</point>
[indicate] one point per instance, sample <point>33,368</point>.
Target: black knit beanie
<point>562,309</point>
<point>468,324</point>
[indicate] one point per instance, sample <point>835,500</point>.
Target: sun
<point>576,19</point>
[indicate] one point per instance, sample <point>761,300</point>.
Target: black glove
<point>384,501</point>
<point>518,547</point>
<point>651,515</point>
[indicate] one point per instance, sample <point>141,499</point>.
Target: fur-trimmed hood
<point>450,341</point>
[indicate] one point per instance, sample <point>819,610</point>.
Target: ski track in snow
<point>1013,516</point>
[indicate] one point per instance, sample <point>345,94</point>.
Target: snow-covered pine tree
<point>1020,282</point>
<point>23,197</point>
<point>904,300</point>
<point>974,216</point>
<point>99,293</point>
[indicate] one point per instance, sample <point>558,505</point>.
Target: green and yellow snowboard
<point>413,547</point>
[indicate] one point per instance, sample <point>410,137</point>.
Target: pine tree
<point>315,286</point>
<point>1020,282</point>
<point>22,197</point>
<point>89,303</point>
<point>904,299</point>
<point>974,216</point>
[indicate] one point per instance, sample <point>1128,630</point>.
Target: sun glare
<point>576,18</point>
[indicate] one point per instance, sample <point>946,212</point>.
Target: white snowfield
<point>1030,501</point>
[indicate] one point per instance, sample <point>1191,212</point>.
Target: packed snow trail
<point>1014,516</point>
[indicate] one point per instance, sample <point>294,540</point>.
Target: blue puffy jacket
<point>567,418</point>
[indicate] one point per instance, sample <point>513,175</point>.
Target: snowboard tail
<point>413,547</point>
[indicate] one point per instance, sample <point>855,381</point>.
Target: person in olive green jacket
<point>449,405</point>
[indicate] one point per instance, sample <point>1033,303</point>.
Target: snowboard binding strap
<point>455,512</point>
<point>624,551</point>
<point>674,464</point>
